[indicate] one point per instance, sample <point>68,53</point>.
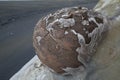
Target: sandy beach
<point>17,21</point>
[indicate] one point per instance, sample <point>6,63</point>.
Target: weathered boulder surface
<point>107,57</point>
<point>67,39</point>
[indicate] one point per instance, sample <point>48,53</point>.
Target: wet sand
<point>17,21</point>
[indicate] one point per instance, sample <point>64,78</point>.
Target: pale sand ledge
<point>34,70</point>
<point>32,67</point>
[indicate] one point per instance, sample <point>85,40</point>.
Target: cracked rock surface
<point>66,40</point>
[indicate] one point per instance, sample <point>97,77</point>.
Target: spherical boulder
<point>66,40</point>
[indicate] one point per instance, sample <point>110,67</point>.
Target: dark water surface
<point>17,21</point>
